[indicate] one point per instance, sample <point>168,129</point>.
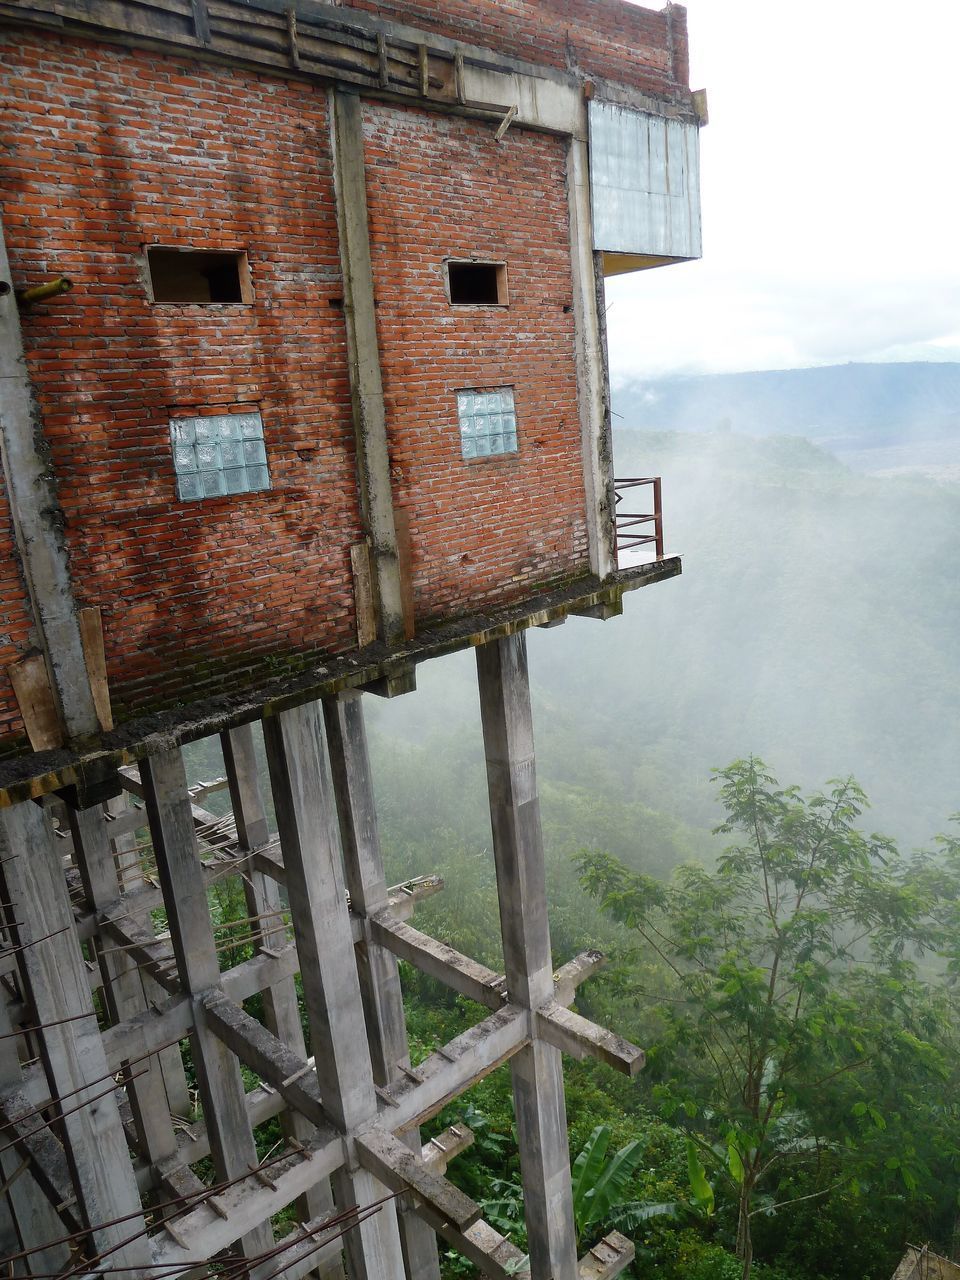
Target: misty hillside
<point>816,623</point>
<point>847,407</point>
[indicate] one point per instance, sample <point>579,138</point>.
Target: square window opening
<point>488,423</point>
<point>472,284</point>
<point>219,455</point>
<point>198,275</point>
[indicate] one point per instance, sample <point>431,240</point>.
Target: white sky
<point>831,195</point>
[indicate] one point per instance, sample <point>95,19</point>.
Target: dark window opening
<point>198,275</point>
<point>477,283</point>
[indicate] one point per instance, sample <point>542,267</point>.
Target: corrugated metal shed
<point>645,184</point>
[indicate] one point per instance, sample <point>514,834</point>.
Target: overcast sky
<point>831,217</point>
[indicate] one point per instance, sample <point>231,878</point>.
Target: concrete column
<point>55,982</point>
<point>122,988</point>
<point>593,391</point>
<point>188,915</point>
<point>379,977</point>
<point>281,1010</point>
<point>38,522</point>
<point>521,888</point>
<point>305,817</point>
<point>363,351</point>
<point>27,1219</point>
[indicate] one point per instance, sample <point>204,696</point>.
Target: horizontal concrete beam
<point>466,976</point>
<point>32,775</point>
<point>401,1169</point>
<point>580,1038</point>
<point>607,1258</point>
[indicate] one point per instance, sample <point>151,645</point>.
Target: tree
<point>792,973</point>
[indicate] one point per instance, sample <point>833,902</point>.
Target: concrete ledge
<point>90,764</point>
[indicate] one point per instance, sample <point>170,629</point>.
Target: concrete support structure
<point>366,382</point>
<point>521,889</point>
<point>38,524</point>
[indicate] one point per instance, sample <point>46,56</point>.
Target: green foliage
<point>793,988</point>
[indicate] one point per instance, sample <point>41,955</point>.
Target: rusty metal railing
<point>628,523</point>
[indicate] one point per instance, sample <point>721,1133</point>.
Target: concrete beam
<point>581,1038</point>
<point>457,971</point>
<point>38,522</point>
<point>607,1258</point>
<point>401,1169</point>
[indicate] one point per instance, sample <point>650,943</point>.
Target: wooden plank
<point>401,517</point>
<point>364,603</point>
<point>91,636</point>
<point>31,686</point>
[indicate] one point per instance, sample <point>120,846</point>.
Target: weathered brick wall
<point>125,148</point>
<point>609,38</point>
<point>442,187</point>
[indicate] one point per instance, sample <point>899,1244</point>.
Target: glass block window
<point>219,455</point>
<point>488,422</point>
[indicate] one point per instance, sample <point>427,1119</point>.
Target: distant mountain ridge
<point>849,406</point>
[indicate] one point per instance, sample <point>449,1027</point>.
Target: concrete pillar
<point>379,977</point>
<point>521,888</point>
<point>363,352</point>
<point>38,522</point>
<point>305,817</point>
<point>55,982</point>
<point>281,1010</point>
<point>122,988</point>
<point>593,391</point>
<point>188,915</point>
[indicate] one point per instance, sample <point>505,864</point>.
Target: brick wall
<point>442,187</point>
<point>125,148</point>
<point>608,38</point>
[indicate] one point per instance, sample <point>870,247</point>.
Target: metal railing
<point>629,538</point>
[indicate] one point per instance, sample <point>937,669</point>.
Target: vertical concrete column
<point>593,391</point>
<point>130,875</point>
<point>38,522</point>
<point>363,351</point>
<point>55,982</point>
<point>191,932</point>
<point>122,988</point>
<point>281,1010</point>
<point>27,1219</point>
<point>377,968</point>
<point>521,888</point>
<point>305,817</point>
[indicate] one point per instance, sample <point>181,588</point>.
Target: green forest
<point>747,787</point>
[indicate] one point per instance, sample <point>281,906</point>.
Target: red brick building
<point>351,247</point>
<point>302,382</point>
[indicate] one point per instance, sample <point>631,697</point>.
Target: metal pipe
<point>41,292</point>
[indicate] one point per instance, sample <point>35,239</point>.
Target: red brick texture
<point>124,148</point>
<point>612,39</point>
<point>441,188</point>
